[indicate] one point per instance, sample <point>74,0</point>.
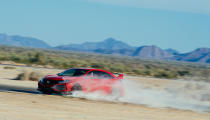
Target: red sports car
<point>82,79</point>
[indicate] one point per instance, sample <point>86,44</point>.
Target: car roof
<point>88,69</point>
<point>95,69</point>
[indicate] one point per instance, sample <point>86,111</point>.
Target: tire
<point>45,92</point>
<point>65,93</point>
<point>76,87</point>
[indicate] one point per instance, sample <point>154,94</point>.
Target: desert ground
<point>29,106</point>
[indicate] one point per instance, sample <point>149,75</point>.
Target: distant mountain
<point>151,52</point>
<point>124,52</point>
<point>172,51</point>
<point>22,41</point>
<point>109,44</point>
<point>201,55</point>
<point>113,46</point>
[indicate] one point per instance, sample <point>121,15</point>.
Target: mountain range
<point>22,41</point>
<point>113,46</point>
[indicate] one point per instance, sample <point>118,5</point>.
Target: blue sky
<point>182,24</point>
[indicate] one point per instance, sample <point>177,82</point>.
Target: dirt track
<point>23,106</point>
<point>26,106</point>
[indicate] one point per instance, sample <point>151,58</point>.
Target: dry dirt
<point>26,106</point>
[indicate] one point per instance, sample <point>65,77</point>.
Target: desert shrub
<point>39,57</point>
<point>165,74</point>
<point>15,58</point>
<point>97,65</point>
<point>147,72</point>
<point>23,76</point>
<point>148,66</point>
<point>35,76</point>
<point>9,67</point>
<point>183,73</point>
<point>28,75</point>
<point>137,71</point>
<point>118,69</point>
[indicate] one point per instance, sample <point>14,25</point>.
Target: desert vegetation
<point>120,64</point>
<point>30,75</point>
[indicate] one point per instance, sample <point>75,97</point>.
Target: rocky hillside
<point>107,44</point>
<point>152,52</point>
<point>22,41</point>
<point>201,55</point>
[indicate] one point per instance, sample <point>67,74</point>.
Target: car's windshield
<point>73,72</point>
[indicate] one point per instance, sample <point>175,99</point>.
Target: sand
<point>26,106</point>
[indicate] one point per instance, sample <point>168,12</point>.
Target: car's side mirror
<point>120,76</point>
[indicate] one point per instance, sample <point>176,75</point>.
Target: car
<point>86,80</point>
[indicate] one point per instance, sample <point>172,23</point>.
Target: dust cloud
<point>187,95</point>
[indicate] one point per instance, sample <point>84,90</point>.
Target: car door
<point>99,81</point>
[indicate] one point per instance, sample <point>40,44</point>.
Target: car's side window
<point>102,75</point>
<point>90,75</point>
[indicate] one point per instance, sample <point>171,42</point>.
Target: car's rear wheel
<point>116,93</point>
<point>76,87</point>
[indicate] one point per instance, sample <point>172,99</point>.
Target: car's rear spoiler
<point>119,75</point>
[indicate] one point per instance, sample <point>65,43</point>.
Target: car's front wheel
<point>46,92</point>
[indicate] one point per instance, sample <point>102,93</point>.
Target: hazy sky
<point>180,24</point>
